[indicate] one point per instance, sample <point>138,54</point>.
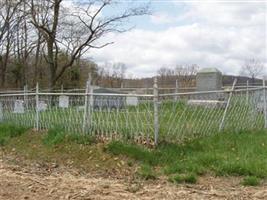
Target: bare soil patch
<point>33,182</point>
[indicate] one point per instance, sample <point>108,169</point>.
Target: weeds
<point>57,136</point>
<point>251,181</point>
<point>54,136</point>
<point>8,131</point>
<point>146,172</point>
<point>237,154</point>
<point>133,151</point>
<point>185,178</point>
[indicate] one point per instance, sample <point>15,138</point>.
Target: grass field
<point>229,154</point>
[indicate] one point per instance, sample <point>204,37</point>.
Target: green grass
<point>185,178</point>
<point>136,152</point>
<point>251,181</point>
<point>226,154</point>
<point>8,131</point>
<point>58,135</point>
<point>235,154</point>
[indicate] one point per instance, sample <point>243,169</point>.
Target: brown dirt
<point>31,182</point>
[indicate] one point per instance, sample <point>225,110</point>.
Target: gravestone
<point>209,79</point>
<point>18,107</point>
<point>42,106</point>
<point>63,101</point>
<point>131,101</point>
<point>1,112</point>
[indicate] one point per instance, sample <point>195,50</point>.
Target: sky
<point>221,34</point>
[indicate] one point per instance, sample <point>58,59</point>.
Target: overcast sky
<point>222,34</point>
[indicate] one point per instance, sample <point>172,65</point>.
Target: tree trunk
<point>51,64</point>
<point>36,62</point>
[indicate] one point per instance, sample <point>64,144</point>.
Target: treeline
<point>45,41</point>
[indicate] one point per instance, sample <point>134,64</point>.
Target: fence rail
<point>152,118</point>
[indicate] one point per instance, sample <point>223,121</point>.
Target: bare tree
<point>252,68</point>
<point>8,23</point>
<point>186,74</point>
<point>76,31</point>
<point>118,73</point>
<point>165,72</point>
<point>8,9</point>
<point>25,44</point>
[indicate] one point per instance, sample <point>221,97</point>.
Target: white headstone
<point>131,101</point>
<point>19,107</point>
<point>209,79</point>
<point>42,106</point>
<point>63,101</point>
<point>1,111</point>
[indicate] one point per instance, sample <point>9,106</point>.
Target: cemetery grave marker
<point>63,101</point>
<point>19,106</point>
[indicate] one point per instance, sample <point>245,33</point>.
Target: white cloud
<point>162,18</point>
<point>216,35</point>
<point>219,13</point>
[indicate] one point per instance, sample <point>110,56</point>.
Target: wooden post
<point>156,111</point>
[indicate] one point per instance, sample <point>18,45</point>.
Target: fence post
<point>91,101</point>
<point>156,111</point>
<point>85,114</point>
<point>37,107</point>
<point>176,89</point>
<point>264,102</point>
<point>25,91</point>
<point>227,105</point>
<point>247,93</point>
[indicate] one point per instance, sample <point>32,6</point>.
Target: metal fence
<point>147,118</point>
